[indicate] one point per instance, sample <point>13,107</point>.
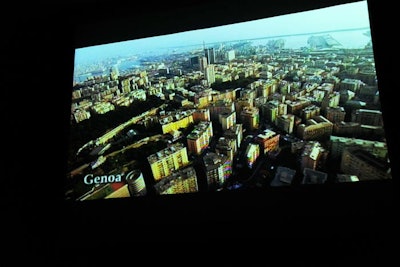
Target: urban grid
<point>228,116</point>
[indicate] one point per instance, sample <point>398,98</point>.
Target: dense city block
<point>227,116</point>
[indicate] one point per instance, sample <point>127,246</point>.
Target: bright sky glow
<point>340,17</point>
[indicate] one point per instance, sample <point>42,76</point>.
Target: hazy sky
<point>345,16</point>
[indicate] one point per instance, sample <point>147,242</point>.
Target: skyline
<point>352,16</point>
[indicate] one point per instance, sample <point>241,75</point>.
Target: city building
<point>252,153</point>
<point>220,106</point>
<point>364,165</point>
<point>218,169</point>
<point>200,137</point>
<point>209,74</point>
<point>135,183</point>
<point>235,133</point>
<point>317,128</point>
<point>353,85</point>
<point>268,140</point>
<point>176,120</point>
<point>338,144</point>
<point>165,162</point>
<point>250,118</point>
<point>367,117</point>
<point>310,112</point>
<point>202,114</point>
<point>226,146</point>
<point>286,123</point>
<point>335,114</point>
<point>179,182</point>
<point>313,156</point>
<point>209,53</point>
<point>227,120</point>
<point>348,129</point>
<point>283,176</point>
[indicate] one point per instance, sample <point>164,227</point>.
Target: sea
<point>351,39</point>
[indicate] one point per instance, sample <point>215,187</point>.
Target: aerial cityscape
<point>213,110</point>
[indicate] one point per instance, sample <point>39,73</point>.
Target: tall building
<point>242,103</point>
<point>286,123</point>
<point>236,133</point>
<point>270,111</point>
<point>136,184</point>
<point>209,74</point>
<point>126,84</point>
<point>165,162</point>
<point>368,75</point>
<point>230,55</point>
<point>317,128</point>
<point>252,153</point>
<point>268,140</point>
<point>313,156</point>
<point>226,146</point>
<point>202,114</point>
<point>174,121</point>
<point>309,112</point>
<point>264,87</point>
<point>114,73</point>
<point>203,63</point>
<point>209,53</point>
<point>335,114</point>
<point>250,118</point>
<point>220,106</point>
<point>194,61</point>
<point>352,85</point>
<point>295,107</point>
<point>218,169</point>
<point>248,93</point>
<point>200,137</point>
<point>330,100</point>
<point>179,182</point>
<point>202,98</point>
<point>227,120</point>
<point>227,94</point>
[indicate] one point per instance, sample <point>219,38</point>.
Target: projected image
<point>291,100</point>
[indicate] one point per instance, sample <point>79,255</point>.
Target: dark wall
<point>39,55</point>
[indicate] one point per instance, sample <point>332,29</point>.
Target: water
<point>351,39</point>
